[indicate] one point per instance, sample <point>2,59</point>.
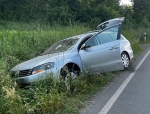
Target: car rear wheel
<point>125,59</point>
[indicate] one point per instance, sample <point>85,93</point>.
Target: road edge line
<point>115,96</point>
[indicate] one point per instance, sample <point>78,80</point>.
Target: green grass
<point>20,45</point>
<point>20,42</point>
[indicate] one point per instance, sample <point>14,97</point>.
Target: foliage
<point>60,11</point>
<point>69,12</point>
<point>126,11</point>
<point>141,9</point>
<point>94,16</point>
<point>137,15</point>
<point>46,97</point>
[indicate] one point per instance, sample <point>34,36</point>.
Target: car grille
<point>21,73</point>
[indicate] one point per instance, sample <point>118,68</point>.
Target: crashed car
<point>101,50</point>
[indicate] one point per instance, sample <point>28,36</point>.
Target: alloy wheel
<point>125,60</point>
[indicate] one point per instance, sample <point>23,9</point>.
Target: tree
<point>63,11</point>
<point>141,9</point>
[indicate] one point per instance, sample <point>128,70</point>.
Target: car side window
<point>104,38</point>
<point>108,35</point>
<point>113,35</point>
<point>91,42</point>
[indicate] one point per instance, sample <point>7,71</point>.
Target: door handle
<point>112,48</point>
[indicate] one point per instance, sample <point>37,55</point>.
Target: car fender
<point>73,58</point>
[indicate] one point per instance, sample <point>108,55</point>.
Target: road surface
<point>128,94</point>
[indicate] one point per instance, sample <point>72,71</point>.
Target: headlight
<point>43,67</point>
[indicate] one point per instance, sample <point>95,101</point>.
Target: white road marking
<point>115,96</point>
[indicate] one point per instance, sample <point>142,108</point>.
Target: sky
<point>125,2</point>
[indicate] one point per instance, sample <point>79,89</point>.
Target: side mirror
<point>83,46</point>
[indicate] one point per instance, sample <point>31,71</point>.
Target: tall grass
<point>20,42</point>
<point>18,45</point>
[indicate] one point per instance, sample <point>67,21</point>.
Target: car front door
<point>101,53</point>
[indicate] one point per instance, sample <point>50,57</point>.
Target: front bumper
<point>37,77</point>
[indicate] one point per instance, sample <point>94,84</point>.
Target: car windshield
<point>63,45</point>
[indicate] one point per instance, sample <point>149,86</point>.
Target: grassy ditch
<point>20,42</point>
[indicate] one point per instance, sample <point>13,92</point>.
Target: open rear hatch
<point>109,23</point>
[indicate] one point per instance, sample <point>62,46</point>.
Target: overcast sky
<point>126,2</point>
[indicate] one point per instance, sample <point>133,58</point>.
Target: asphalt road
<point>128,94</point>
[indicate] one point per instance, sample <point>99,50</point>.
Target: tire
<point>68,76</point>
<point>125,60</point>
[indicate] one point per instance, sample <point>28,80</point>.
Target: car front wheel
<point>125,60</point>
<point>68,76</point>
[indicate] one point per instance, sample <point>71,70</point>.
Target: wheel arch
<point>73,66</point>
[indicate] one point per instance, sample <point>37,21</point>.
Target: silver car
<point>102,50</point>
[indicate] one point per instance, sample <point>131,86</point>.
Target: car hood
<point>37,61</point>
